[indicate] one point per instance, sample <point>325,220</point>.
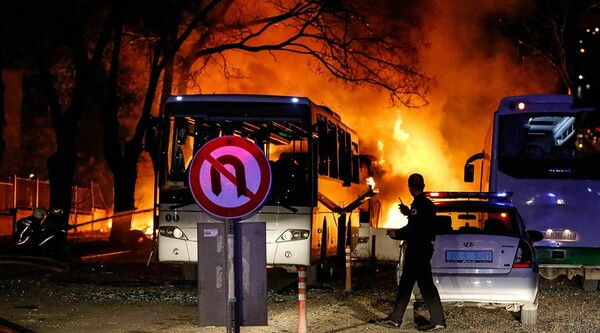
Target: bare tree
<point>547,31</point>
<point>352,40</point>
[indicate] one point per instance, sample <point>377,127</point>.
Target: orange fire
<point>469,79</point>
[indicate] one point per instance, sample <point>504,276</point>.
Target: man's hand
<point>404,209</point>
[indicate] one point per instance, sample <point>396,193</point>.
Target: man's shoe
<point>431,327</point>
<point>386,322</point>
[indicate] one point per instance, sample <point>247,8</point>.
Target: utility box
<point>250,277</point>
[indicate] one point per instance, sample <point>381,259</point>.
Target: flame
<point>399,134</point>
<point>395,219</point>
<point>380,149</point>
<point>143,222</point>
<point>371,182</point>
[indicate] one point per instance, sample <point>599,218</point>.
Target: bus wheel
<point>189,271</point>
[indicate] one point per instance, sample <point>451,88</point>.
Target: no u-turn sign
<point>230,178</point>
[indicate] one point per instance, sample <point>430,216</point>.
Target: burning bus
<point>318,182</point>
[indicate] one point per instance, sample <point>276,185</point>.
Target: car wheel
<point>529,313</point>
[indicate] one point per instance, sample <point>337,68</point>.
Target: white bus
<point>547,153</point>
<point>317,186</point>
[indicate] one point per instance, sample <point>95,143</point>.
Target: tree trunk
<point>116,159</point>
<point>125,176</point>
<point>126,172</point>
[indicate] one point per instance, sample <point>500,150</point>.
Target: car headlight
<point>173,232</point>
<point>293,235</point>
<point>177,233</point>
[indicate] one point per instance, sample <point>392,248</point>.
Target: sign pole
<point>232,323</point>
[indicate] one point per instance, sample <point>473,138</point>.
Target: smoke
<point>472,67</point>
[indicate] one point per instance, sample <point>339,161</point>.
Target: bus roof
<point>538,103</point>
<point>249,98</point>
<point>239,98</point>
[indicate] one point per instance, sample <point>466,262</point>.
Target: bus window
<point>345,157</point>
<point>549,146</point>
<point>290,180</point>
<point>323,146</point>
<point>333,149</point>
<point>355,163</point>
<point>204,133</point>
<point>183,148</point>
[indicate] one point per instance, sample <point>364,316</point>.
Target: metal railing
<point>24,193</point>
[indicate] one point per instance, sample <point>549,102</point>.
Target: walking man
<point>418,235</point>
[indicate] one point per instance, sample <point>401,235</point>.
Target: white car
<point>483,255</point>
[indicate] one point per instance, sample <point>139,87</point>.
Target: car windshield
<point>472,219</point>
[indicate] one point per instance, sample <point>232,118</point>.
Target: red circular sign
<point>230,177</point>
